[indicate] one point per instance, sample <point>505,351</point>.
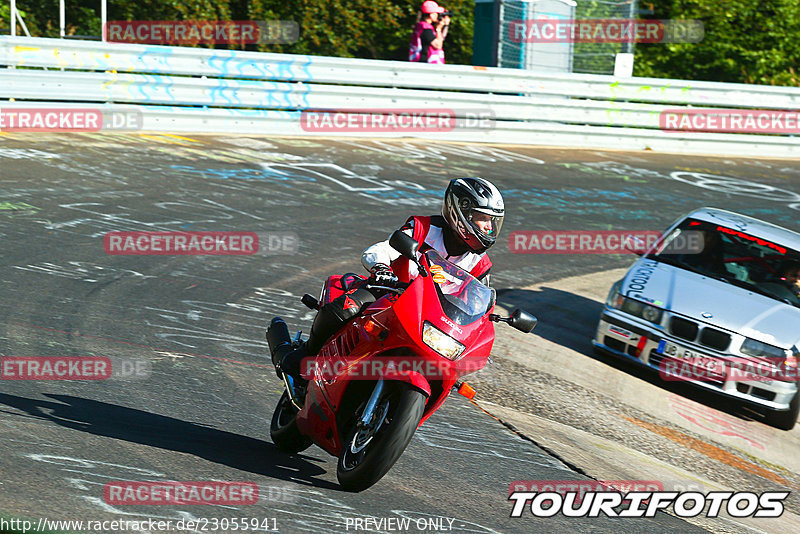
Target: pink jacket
<point>415,46</point>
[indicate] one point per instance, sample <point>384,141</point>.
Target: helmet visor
<point>485,224</point>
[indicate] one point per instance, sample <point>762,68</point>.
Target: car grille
<point>715,339</point>
<point>655,358</point>
<point>755,392</point>
<point>763,394</point>
<point>683,329</point>
<point>615,344</point>
<point>710,337</point>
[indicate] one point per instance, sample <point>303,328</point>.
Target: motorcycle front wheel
<point>370,451</point>
<point>283,428</point>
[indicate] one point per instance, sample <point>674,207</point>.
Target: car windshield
<point>464,299</point>
<point>735,257</point>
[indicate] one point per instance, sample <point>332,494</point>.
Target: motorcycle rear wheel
<point>370,452</point>
<point>283,428</point>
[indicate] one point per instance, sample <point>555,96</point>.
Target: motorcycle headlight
<point>441,342</point>
<point>756,348</point>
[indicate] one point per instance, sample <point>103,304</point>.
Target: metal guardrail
<point>206,90</point>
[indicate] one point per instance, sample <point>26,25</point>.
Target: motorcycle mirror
<point>408,247</point>
<point>404,244</point>
<point>522,320</point>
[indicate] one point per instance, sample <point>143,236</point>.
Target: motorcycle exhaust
<point>278,340</point>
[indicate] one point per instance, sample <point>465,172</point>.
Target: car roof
<point>749,225</point>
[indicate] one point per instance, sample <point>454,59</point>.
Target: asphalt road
<point>199,408</point>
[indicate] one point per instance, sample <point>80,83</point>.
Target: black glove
<point>383,275</point>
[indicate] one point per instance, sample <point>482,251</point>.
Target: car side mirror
<point>522,321</point>
<point>408,247</point>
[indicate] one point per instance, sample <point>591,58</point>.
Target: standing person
<point>427,39</point>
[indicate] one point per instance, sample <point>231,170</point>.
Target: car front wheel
<point>785,419</point>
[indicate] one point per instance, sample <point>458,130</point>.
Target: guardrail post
<point>13,18</point>
<point>103,17</point>
<point>62,19</point>
<point>497,34</point>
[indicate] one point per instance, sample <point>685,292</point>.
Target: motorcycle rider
<point>472,215</point>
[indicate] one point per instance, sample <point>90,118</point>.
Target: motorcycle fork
<point>369,410</point>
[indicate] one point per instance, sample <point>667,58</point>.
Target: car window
<point>733,256</point>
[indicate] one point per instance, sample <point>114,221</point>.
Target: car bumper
<point>624,336</point>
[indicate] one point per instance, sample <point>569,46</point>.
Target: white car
<point>730,313</point>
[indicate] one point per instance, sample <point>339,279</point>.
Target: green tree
<point>375,29</point>
<point>745,41</point>
<point>5,17</point>
<point>83,16</point>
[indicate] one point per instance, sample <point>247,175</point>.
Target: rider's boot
<point>279,341</point>
<point>288,358</point>
<point>291,361</point>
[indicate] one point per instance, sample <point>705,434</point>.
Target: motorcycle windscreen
<point>463,297</point>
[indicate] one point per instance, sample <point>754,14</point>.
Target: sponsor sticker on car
<point>619,331</point>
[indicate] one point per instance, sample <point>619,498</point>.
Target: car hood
<point>730,307</point>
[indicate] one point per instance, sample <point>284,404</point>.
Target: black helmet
<point>469,202</point>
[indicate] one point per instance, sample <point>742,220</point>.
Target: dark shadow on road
<point>570,320</point>
<point>564,318</point>
<point>137,426</point>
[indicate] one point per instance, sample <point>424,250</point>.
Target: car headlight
<point>634,307</point>
<point>441,342</point>
<point>792,359</point>
<point>614,299</point>
<point>652,314</point>
<point>753,347</point>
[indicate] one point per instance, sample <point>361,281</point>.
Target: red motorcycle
<point>390,368</point>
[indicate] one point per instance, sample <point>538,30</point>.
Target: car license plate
<point>673,350</point>
<point>712,367</point>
